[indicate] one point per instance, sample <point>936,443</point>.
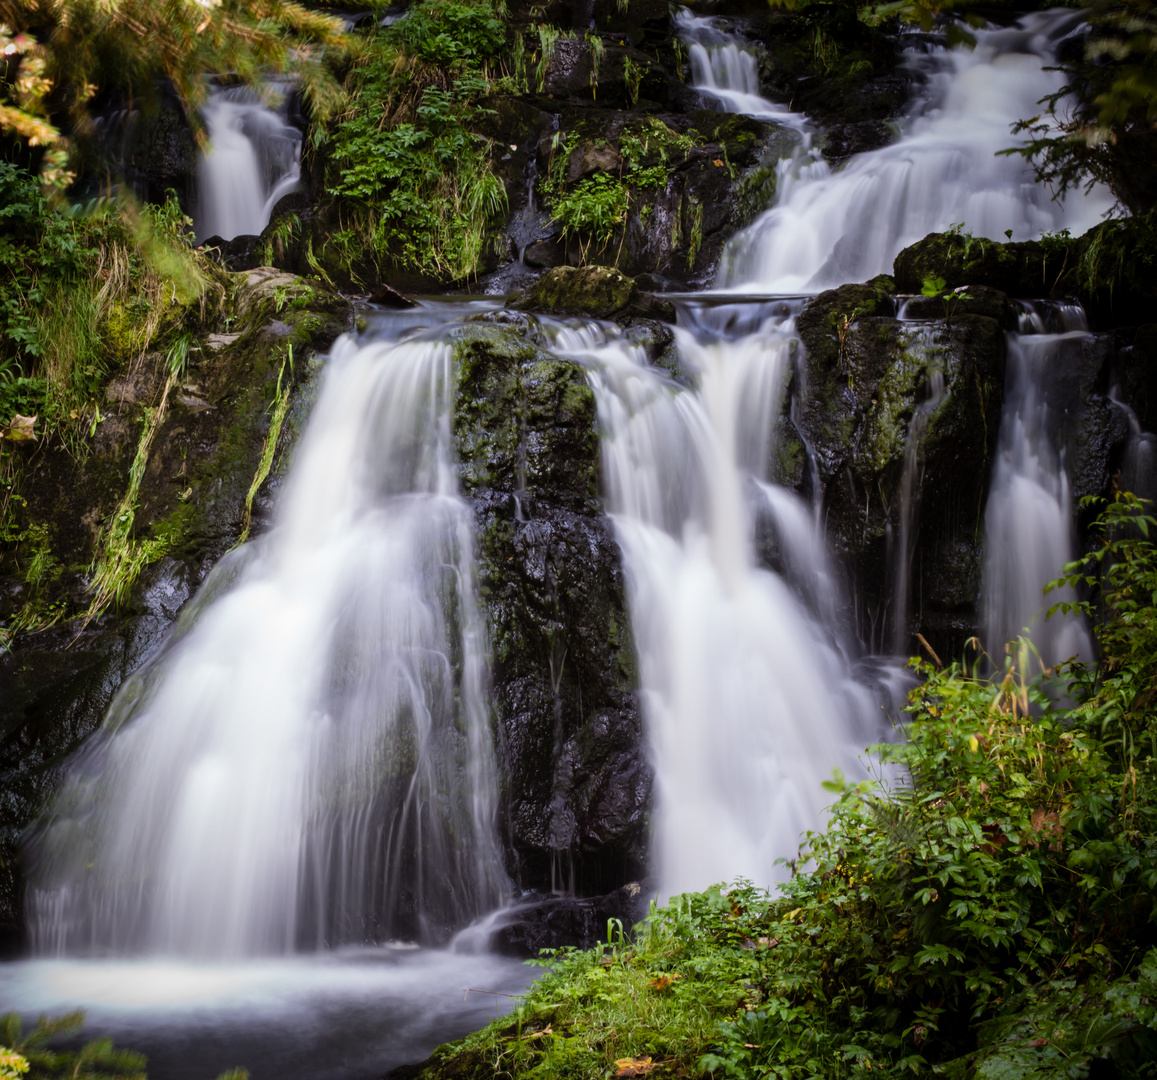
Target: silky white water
<point>309,760</point>
<point>747,693</point>
<point>725,69</point>
<point>943,171</point>
<point>1028,520</point>
<point>253,159</point>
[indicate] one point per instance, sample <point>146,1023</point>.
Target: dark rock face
<point>577,788</point>
<point>550,922</point>
<point>56,685</point>
<point>866,375</point>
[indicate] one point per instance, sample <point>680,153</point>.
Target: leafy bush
<point>990,909</point>
<point>413,179</point>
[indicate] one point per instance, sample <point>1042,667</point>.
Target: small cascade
<point>308,762</point>
<point>919,341</point>
<point>1139,462</point>
<point>725,69</point>
<point>745,681</point>
<point>252,161</point>
<point>1028,521</point>
<point>944,171</point>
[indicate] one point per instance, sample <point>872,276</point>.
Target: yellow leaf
<point>633,1066</point>
<point>974,744</point>
<point>22,429</point>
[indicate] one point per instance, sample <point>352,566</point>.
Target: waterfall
<point>922,341</point>
<point>725,69</point>
<point>745,681</point>
<point>944,171</point>
<point>252,161</point>
<point>309,760</point>
<point>1028,521</point>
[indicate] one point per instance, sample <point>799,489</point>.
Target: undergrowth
<point>596,208</point>
<point>989,911</point>
<point>413,179</point>
<point>85,294</point>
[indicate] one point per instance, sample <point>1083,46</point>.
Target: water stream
<point>307,762</point>
<point>252,161</point>
<point>1028,522</point>
<point>747,683</point>
<point>944,171</point>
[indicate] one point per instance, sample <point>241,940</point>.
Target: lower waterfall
<point>1028,522</point>
<point>308,762</point>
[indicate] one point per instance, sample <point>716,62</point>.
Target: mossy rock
<point>599,291</point>
<point>1016,269</point>
<point>575,781</point>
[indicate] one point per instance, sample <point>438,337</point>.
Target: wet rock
<point>1016,269</point>
<point>551,922</point>
<point>576,783</point>
<point>971,300</point>
<point>600,291</point>
<point>866,375</point>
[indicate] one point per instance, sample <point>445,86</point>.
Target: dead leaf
<point>22,429</point>
<point>1047,824</point>
<point>633,1066</point>
<point>663,982</point>
<point>995,837</point>
<point>1037,1042</point>
<point>770,942</point>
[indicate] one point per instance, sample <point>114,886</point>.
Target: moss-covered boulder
<point>868,378</point>
<point>576,784</point>
<point>600,291</point>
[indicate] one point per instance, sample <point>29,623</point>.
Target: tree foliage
<point>60,54</point>
<point>1101,127</point>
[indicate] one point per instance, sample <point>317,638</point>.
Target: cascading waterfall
<point>943,172</point>
<point>725,69</point>
<point>252,161</point>
<point>748,694</point>
<point>309,761</point>
<point>1029,518</point>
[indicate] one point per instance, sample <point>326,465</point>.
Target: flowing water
<point>747,683</point>
<point>944,171</point>
<point>306,764</point>
<point>252,161</point>
<point>1028,522</point>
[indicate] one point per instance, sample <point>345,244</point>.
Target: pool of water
<point>351,1014</point>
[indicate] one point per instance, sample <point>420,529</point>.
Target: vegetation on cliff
<point>987,908</point>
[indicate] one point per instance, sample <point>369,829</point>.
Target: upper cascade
<point>725,69</point>
<point>252,161</point>
<point>945,172</point>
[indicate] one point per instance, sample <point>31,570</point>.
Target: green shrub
<point>987,910</point>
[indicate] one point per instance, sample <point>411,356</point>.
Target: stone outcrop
<point>576,785</point>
